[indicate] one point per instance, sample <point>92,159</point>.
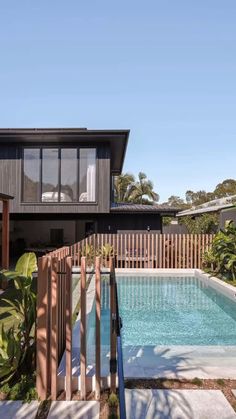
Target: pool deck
<point>177,404</point>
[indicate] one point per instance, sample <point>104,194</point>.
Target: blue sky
<point>164,69</point>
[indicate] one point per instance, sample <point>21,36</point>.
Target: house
<point>61,180</point>
<point>225,207</point>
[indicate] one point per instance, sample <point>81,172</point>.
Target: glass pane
<point>87,175</point>
<point>50,175</point>
<point>68,175</point>
<point>31,182</point>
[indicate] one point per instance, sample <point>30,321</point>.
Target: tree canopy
<point>138,191</point>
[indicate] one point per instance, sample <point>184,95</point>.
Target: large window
<point>59,175</point>
<point>31,184</point>
<point>50,175</point>
<point>69,173</point>
<point>87,174</point>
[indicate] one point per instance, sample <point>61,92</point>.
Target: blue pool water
<point>174,311</point>
<point>170,311</point>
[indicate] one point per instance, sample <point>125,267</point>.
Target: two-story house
<point>61,181</point>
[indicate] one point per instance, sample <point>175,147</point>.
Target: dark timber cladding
<point>110,148</point>
<point>5,229</point>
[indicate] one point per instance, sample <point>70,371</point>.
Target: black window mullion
<point>59,175</point>
<point>41,175</point>
<point>78,179</point>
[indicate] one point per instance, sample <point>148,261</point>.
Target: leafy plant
<point>89,252</point>
<point>106,251</point>
<point>221,258</point>
<point>25,266</point>
<point>5,389</point>
<point>10,353</point>
<point>113,400</point>
<point>24,389</point>
<point>17,346</point>
<point>197,381</point>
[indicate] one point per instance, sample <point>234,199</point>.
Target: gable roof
<point>117,139</point>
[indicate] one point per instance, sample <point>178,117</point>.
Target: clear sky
<point>165,69</point>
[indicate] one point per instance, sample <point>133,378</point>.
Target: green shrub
<point>221,382</point>
<point>17,346</point>
<point>5,389</point>
<point>221,257</point>
<point>197,382</point>
<point>24,389</point>
<point>113,400</point>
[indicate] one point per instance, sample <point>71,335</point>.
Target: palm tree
<point>142,191</point>
<point>122,187</point>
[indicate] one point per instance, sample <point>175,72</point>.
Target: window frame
<point>59,147</point>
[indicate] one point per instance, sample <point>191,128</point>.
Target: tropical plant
<point>106,251</point>
<point>123,186</point>
<point>142,191</point>
<point>24,309</point>
<point>10,353</point>
<point>89,252</point>
<point>25,266</point>
<point>221,259</point>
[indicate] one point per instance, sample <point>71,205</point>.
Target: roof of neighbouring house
<point>211,206</point>
<point>4,197</point>
<point>142,208</point>
<point>117,139</point>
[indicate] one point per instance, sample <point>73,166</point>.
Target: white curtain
<point>91,176</point>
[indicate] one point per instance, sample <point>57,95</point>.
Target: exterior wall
<point>11,175</point>
<point>227,215</point>
<point>35,233</point>
<point>115,223</point>
<point>35,230</point>
<point>175,229</point>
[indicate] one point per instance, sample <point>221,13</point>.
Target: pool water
<point>174,311</point>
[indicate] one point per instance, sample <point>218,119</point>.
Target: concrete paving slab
<point>234,392</point>
<point>17,410</point>
<point>74,410</point>
<point>177,404</point>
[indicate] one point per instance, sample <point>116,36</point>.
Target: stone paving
<point>177,404</point>
<point>18,410</point>
<point>74,410</point>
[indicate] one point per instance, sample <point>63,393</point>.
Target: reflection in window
<point>31,182</point>
<point>68,175</point>
<point>50,171</point>
<point>87,174</point>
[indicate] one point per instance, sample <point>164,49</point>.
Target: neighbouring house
<point>62,180</point>
<point>224,206</point>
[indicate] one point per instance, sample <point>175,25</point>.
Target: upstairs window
<point>59,175</point>
<point>31,183</point>
<point>87,174</point>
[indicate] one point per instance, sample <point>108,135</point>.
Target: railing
<point>148,250</point>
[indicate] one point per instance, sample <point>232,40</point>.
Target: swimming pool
<point>170,311</point>
<point>174,311</point>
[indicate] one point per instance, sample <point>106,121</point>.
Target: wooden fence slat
<point>54,327</point>
<point>83,354</point>
<point>42,331</point>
